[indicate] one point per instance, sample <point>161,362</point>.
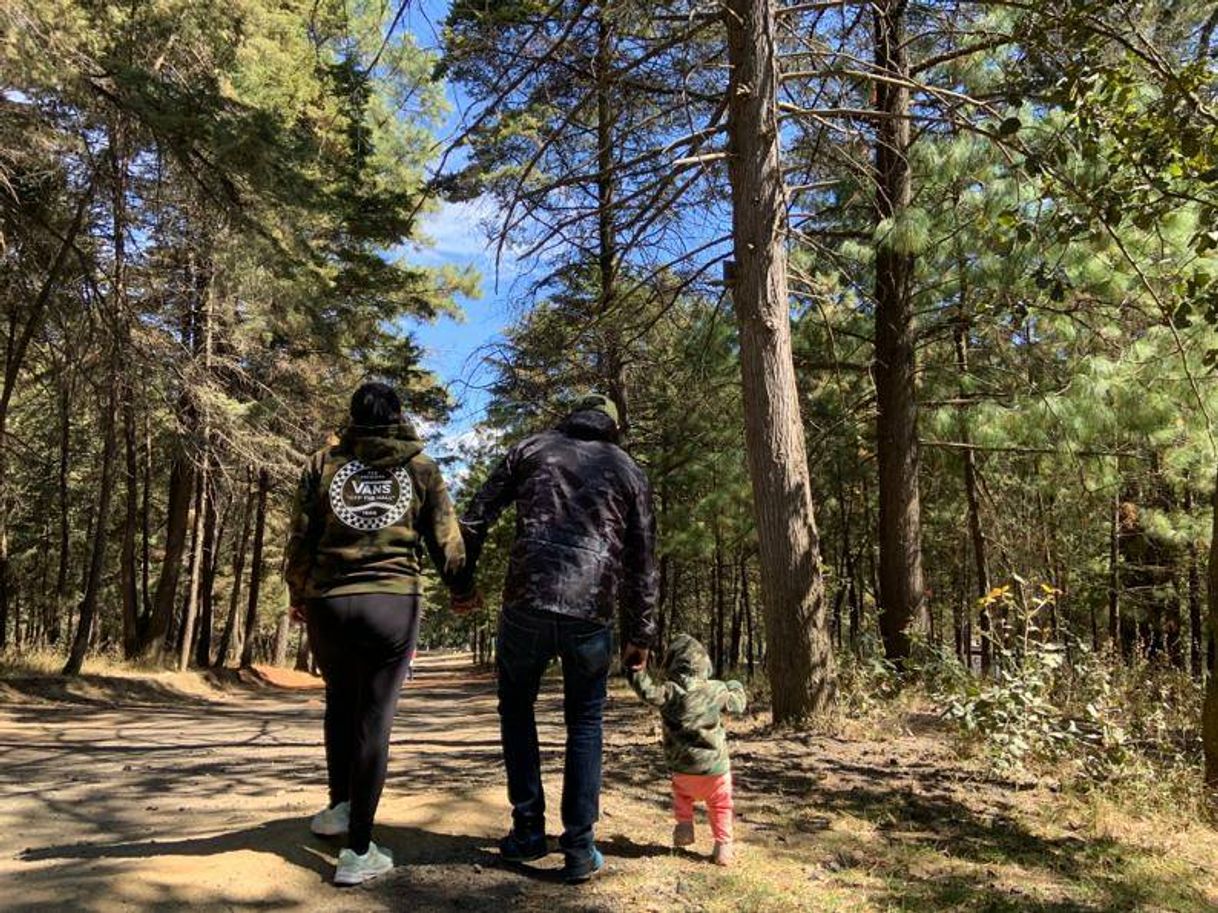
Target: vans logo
<point>368,498</point>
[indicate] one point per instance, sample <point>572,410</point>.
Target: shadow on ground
<point>929,832</point>
<point>111,782</point>
<point>436,871</point>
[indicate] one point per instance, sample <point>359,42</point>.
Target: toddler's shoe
<point>683,834</point>
<point>723,854</point>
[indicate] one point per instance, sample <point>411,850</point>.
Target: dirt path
<point>129,794</point>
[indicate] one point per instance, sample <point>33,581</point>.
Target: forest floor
<point>167,792</point>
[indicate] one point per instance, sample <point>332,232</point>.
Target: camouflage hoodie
<point>691,707</point>
<point>365,511</point>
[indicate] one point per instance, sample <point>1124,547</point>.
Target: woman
<point>366,508</point>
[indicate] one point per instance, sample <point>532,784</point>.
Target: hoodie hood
<point>598,402</point>
<point>590,425</point>
<point>687,661</point>
<point>382,445</point>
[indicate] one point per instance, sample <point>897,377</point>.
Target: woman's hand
<point>463,604</point>
<point>299,614</point>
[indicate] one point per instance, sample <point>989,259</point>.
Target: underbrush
<point>1051,709</point>
<point>46,661</point>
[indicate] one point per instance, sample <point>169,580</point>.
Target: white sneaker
<point>332,822</point>
<point>356,869</point>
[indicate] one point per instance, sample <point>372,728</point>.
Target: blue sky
<point>454,349</point>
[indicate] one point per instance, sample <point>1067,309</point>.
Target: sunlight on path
<point>203,804</point>
<point>124,794</point>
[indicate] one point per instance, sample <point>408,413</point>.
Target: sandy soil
<point>180,792</point>
<point>154,793</point>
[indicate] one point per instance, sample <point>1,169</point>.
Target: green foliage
<point>250,176</point>
<point>1052,704</point>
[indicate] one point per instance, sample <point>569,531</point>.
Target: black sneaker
<point>523,848</point>
<point>581,870</point>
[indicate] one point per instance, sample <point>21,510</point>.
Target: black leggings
<point>363,645</point>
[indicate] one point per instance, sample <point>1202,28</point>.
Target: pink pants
<point>715,790</point>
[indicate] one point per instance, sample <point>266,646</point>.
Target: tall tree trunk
<point>231,633</point>
<point>720,608</point>
<point>48,603</point>
<point>612,366</point>
<point>97,560</point>
<point>190,614</point>
<point>304,651</point>
<point>902,593</point>
<point>1194,596</point>
<point>251,614</point>
<point>849,569</point>
<point>798,651</point>
<point>665,602</point>
<point>118,293</point>
<point>960,604</point>
<point>748,619</point>
<point>127,565</point>
<point>1209,720</point>
<point>146,528</point>
<point>85,566</point>
<point>181,477</point>
<point>16,609</point>
<point>1114,569</point>
<point>737,616</point>
<point>207,576</point>
<point>279,652</point>
<point>65,530</point>
<point>981,566</point>
<point>200,604</point>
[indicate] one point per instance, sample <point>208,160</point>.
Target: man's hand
<point>465,603</point>
<point>634,657</point>
<point>299,614</point>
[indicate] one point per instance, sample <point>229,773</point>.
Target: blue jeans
<point>527,642</point>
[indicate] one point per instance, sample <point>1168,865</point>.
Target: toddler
<point>691,705</point>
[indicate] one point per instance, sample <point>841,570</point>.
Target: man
<point>584,547</point>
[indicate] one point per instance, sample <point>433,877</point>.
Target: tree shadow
<point>289,839</point>
<point>622,847</point>
<point>948,821</point>
<point>433,871</point>
<point>934,834</point>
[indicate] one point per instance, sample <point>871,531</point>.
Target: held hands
<point>464,603</point>
<point>634,657</point>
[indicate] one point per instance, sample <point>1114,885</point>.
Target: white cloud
<point>461,445</point>
<point>459,232</point>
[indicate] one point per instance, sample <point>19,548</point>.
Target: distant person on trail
<point>366,509</point>
<point>584,550</point>
<point>691,706</point>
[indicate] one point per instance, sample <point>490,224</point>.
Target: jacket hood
<point>687,660</point>
<point>590,425</point>
<point>382,445</point>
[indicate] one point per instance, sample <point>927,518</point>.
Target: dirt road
<point>144,798</point>
<point>164,792</point>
